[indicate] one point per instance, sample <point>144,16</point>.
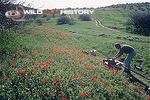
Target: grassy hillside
<point>115,18</point>
<point>54,66</point>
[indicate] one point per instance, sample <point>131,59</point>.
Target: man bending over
<point>127,50</point>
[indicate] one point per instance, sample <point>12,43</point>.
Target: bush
<point>139,23</point>
<point>85,17</point>
<point>48,18</point>
<point>39,22</point>
<point>65,20</point>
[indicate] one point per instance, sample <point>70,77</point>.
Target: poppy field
<point>55,68</point>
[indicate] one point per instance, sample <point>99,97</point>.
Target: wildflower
<point>138,90</point>
<point>90,83</point>
<point>104,83</point>
<point>82,73</point>
<point>28,69</point>
<point>83,94</point>
<point>81,57</point>
<point>45,64</point>
<point>52,62</point>
<point>33,51</point>
<point>5,78</point>
<point>12,65</point>
<point>94,79</point>
<point>114,72</point>
<point>90,93</point>
<point>52,81</point>
<point>61,92</point>
<point>82,84</point>
<point>33,72</point>
<point>110,90</point>
<point>54,91</point>
<point>20,72</point>
<point>57,84</point>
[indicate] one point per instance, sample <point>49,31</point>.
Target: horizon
<point>60,4</point>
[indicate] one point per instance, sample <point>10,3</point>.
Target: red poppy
<point>110,90</point>
<point>33,72</point>
<point>20,72</point>
<point>138,90</point>
<point>12,65</point>
<point>81,57</point>
<point>104,83</point>
<point>61,92</point>
<point>83,94</point>
<point>114,72</point>
<point>5,78</point>
<point>82,84</point>
<point>82,72</point>
<point>57,84</point>
<point>33,51</point>
<point>94,79</point>
<point>90,93</point>
<point>90,83</point>
<point>53,81</point>
<point>54,91</point>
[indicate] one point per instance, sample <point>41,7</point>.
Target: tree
<point>139,23</point>
<point>85,17</point>
<point>65,20</point>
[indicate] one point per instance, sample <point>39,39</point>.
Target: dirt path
<point>99,24</point>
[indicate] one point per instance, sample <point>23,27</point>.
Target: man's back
<point>126,49</point>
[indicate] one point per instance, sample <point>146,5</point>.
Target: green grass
<point>56,67</point>
<point>115,18</point>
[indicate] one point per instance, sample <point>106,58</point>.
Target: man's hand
<point>113,58</point>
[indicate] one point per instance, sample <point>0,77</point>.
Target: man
<point>127,50</point>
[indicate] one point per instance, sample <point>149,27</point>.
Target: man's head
<point>118,46</point>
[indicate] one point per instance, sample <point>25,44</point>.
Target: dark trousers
<point>128,60</point>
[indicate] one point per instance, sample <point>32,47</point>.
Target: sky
<point>51,4</point>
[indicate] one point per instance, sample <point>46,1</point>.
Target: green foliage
<point>56,68</point>
<point>85,17</point>
<point>133,6</point>
<point>65,20</point>
<point>139,23</point>
<point>39,22</point>
<point>8,44</point>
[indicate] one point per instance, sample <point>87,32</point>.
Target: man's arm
<point>118,54</point>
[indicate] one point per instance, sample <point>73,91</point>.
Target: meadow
<point>53,65</point>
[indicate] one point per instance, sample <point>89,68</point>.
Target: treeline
<point>133,6</point>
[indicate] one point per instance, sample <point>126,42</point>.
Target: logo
<point>77,11</point>
<point>19,13</point>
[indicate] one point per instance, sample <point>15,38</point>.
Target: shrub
<point>48,18</point>
<point>65,20</point>
<point>39,22</point>
<point>139,23</point>
<point>85,17</point>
